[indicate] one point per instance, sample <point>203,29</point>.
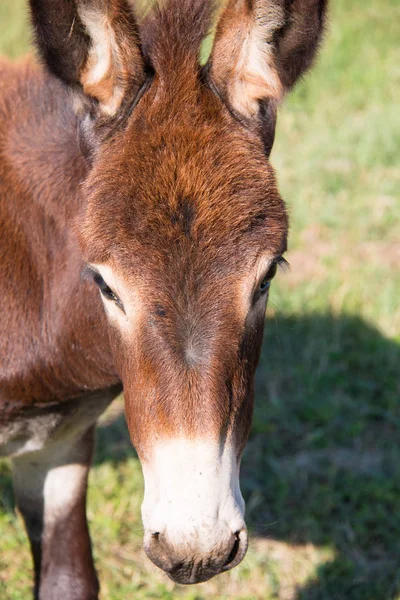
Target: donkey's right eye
<point>106,290</point>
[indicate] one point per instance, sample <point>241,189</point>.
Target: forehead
<point>187,187</point>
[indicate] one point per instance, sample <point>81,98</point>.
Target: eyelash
<point>106,291</point>
<point>268,277</point>
<point>266,281</point>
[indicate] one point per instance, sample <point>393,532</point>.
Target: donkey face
<point>182,229</point>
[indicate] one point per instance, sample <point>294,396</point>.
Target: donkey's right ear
<point>93,47</point>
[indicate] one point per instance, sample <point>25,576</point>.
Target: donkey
<point>141,227</point>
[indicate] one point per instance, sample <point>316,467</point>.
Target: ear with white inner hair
<point>261,48</point>
<point>93,47</point>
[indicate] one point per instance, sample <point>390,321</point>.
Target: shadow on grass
<point>323,461</point>
<point>7,503</point>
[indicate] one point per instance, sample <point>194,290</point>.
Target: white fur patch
<point>63,486</point>
<point>255,75</point>
<point>192,493</point>
<point>99,77</point>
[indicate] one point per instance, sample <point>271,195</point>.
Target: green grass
<point>321,472</point>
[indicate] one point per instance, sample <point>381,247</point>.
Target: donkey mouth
<point>197,570</point>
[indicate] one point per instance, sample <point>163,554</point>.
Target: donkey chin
<point>193,510</point>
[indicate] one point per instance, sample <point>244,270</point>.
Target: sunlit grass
<point>14,32</point>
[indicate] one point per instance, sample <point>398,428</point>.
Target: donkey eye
<point>106,290</point>
<point>266,282</point>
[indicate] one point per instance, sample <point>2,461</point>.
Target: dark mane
<point>172,31</point>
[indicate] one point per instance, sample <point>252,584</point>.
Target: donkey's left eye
<point>266,282</point>
<point>106,290</point>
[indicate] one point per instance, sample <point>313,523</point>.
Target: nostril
<point>234,549</point>
<point>155,535</point>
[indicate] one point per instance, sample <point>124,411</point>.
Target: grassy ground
<point>321,472</point>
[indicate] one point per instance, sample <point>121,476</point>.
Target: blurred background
<point>321,472</point>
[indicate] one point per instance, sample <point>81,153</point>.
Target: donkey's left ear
<point>261,48</point>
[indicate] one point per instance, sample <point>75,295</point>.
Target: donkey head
<point>182,227</point>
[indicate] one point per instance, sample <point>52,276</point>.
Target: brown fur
<point>48,319</point>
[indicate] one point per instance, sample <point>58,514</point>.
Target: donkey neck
<point>40,143</point>
<point>63,351</point>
